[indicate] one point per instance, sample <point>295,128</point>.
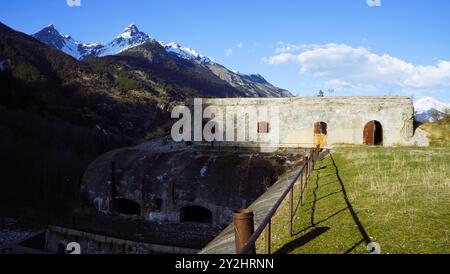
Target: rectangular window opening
<point>263,127</point>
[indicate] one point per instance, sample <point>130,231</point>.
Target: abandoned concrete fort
<point>176,197</point>
<point>324,121</point>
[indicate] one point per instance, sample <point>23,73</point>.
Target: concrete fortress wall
<point>345,118</point>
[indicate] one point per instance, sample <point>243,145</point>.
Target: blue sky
<point>398,48</point>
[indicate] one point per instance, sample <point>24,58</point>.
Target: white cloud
<point>285,48</point>
<point>281,58</point>
<point>240,45</point>
<point>228,52</point>
<point>343,85</point>
<point>336,83</point>
<point>374,3</point>
<point>348,66</point>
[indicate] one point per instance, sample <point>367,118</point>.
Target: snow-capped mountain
<point>50,36</point>
<point>130,37</point>
<point>252,85</point>
<point>428,109</point>
<point>186,53</point>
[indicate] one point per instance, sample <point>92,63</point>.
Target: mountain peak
<point>50,36</point>
<point>50,29</point>
<point>429,109</point>
<point>132,26</point>
<point>131,31</point>
<point>426,103</point>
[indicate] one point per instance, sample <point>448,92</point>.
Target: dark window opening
<point>373,134</point>
<point>196,214</point>
<point>321,128</point>
<point>263,127</point>
<point>128,207</point>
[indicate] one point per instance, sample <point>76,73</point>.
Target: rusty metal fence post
<point>243,229</point>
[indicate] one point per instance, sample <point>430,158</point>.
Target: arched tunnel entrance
<point>196,214</point>
<point>373,134</point>
<point>128,207</point>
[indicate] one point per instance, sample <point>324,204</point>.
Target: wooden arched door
<point>373,133</point>
<point>320,134</point>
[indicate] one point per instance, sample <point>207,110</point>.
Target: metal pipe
<point>301,189</point>
<point>268,237</point>
<point>244,228</point>
<point>291,209</point>
<point>307,168</point>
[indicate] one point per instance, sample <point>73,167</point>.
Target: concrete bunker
<point>373,133</point>
<point>174,196</point>
<point>300,121</point>
<point>195,214</point>
<point>188,184</point>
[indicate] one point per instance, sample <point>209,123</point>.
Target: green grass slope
<point>397,197</point>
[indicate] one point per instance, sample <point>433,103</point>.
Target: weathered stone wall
<point>346,118</point>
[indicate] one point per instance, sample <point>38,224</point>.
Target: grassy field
<point>397,197</point>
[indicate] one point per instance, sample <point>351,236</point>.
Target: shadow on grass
<point>362,230</point>
<point>353,247</point>
<point>297,243</point>
<point>317,231</point>
<point>314,223</point>
<point>326,196</point>
<point>321,221</point>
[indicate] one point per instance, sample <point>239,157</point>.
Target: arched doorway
<point>373,134</point>
<point>128,207</point>
<point>196,214</point>
<point>320,134</point>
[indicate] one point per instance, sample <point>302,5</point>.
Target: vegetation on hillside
<point>439,132</point>
<point>58,114</point>
<point>127,94</point>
